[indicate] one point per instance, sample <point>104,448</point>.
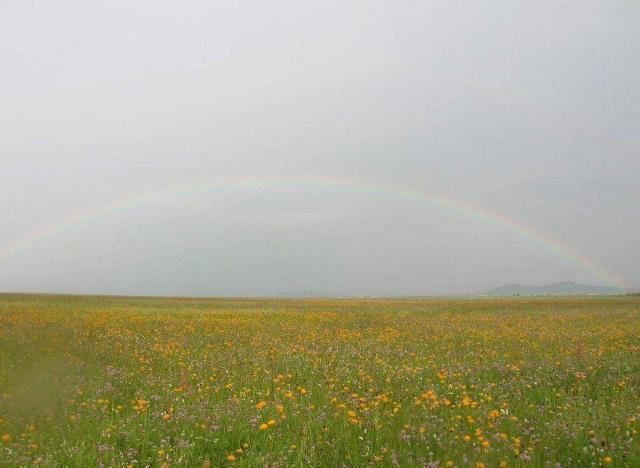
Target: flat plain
<point>117,381</point>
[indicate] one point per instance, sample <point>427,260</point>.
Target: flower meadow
<point>109,381</point>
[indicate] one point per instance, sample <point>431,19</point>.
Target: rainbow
<point>440,201</point>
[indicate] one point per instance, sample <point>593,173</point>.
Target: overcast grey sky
<point>529,109</point>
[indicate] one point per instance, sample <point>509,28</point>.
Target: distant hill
<point>564,288</point>
<point>300,294</point>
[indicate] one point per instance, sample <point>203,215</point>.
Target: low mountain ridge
<point>564,288</point>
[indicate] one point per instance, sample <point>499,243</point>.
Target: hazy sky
<point>528,109</point>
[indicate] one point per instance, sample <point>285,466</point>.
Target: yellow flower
<point>231,457</point>
<point>261,404</point>
<point>607,460</point>
<point>6,438</point>
<point>263,427</point>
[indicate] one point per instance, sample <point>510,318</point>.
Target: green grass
<point>89,381</point>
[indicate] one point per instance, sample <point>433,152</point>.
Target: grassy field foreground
<point>89,381</point>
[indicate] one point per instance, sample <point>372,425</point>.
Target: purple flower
<point>525,457</point>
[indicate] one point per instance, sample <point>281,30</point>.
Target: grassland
<point>90,381</point>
